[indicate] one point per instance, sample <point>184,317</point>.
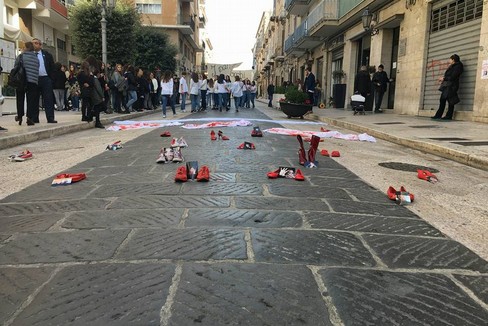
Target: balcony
<point>301,40</point>
<point>323,20</point>
<point>52,13</point>
<point>297,7</point>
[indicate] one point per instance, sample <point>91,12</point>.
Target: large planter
<point>293,110</point>
<point>339,95</point>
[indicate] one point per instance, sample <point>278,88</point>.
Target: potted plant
<point>296,103</point>
<point>339,88</point>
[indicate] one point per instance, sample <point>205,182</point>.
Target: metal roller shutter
<point>456,29</point>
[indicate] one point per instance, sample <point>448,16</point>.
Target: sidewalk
<point>460,141</point>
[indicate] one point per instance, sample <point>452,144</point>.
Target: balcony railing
<point>289,3</point>
<point>326,10</point>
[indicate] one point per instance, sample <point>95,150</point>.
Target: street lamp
<point>369,20</point>
<point>105,4</point>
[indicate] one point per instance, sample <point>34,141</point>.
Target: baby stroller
<point>357,103</point>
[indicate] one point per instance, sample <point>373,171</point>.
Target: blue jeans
<point>222,101</point>
<point>167,100</point>
<point>378,98</point>
<point>253,96</point>
<point>209,99</point>
<point>237,102</point>
<point>216,100</point>
<point>132,99</point>
<point>183,100</point>
<point>194,102</point>
<point>203,95</point>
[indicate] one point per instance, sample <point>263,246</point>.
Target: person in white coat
<point>167,92</point>
<point>236,89</point>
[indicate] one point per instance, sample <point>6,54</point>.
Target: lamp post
<point>105,4</point>
<point>369,20</point>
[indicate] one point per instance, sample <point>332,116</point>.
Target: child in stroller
<point>357,103</point>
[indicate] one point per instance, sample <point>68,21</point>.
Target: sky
<point>231,27</point>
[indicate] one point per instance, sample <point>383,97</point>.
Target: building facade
<point>183,21</point>
<point>413,39</point>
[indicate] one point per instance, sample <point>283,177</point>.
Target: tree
<point>154,50</point>
<point>122,23</point>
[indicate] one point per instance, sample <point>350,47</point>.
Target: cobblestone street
<point>129,246</point>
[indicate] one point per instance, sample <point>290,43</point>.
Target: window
<point>149,8</point>
<point>455,13</point>
<point>61,44</point>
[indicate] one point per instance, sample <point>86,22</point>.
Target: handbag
<point>17,78</point>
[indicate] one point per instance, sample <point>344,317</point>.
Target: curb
<point>472,160</point>
<point>16,140</point>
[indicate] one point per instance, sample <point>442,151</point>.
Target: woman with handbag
<point>449,87</point>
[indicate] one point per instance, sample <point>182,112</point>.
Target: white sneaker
<point>177,155</point>
<point>164,115</point>
<point>181,142</point>
<point>161,157</point>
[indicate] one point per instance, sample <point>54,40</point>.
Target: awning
<point>13,33</point>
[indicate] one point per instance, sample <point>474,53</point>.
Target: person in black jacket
<point>449,87</point>
<point>362,84</point>
<point>45,83</point>
<point>309,84</point>
<point>85,80</point>
<point>59,85</point>
<point>130,76</point>
<point>380,82</point>
<point>270,90</point>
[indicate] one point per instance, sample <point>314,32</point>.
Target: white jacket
<point>194,87</point>
<point>167,88</point>
<point>236,88</point>
<point>183,86</point>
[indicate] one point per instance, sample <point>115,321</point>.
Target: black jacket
<point>450,85</point>
<point>48,63</point>
<point>59,79</point>
<point>362,83</point>
<point>380,81</point>
<point>309,84</point>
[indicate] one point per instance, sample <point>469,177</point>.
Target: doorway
<point>393,68</point>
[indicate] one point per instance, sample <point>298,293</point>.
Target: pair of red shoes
<point>427,176</point>
<point>324,152</point>
<point>68,178</point>
<point>220,134</point>
<point>308,162</point>
<point>203,174</point>
<point>166,134</point>
<point>256,132</point>
<point>400,197</point>
<point>288,173</point>
<point>246,145</point>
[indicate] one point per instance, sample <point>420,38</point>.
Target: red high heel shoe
<point>222,136</point>
<point>68,178</point>
<point>398,196</point>
<point>427,176</point>
<point>335,154</point>
<point>212,135</point>
<point>246,145</point>
<point>181,174</point>
<point>324,152</point>
<point>166,134</point>
<point>203,174</point>
<point>299,175</point>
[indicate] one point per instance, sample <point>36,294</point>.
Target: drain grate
<point>389,123</point>
<point>406,167</point>
<point>448,138</point>
<point>471,143</point>
<point>426,126</point>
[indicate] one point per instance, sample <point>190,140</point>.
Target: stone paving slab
<point>222,189</point>
<point>134,189</point>
<point>278,203</point>
<point>170,201</point>
<point>371,224</point>
<point>102,294</point>
<point>28,223</point>
<point>186,244</point>
<point>135,178</point>
<point>261,177</point>
<point>330,175</point>
<point>4,237</point>
<point>243,218</point>
<point>124,219</point>
<point>356,207</point>
<point>60,206</point>
<point>61,246</point>
<point>416,252</point>
<point>371,297</point>
<point>243,168</point>
<point>310,247</point>
<point>250,294</point>
<point>369,194</point>
<point>477,284</point>
<point>309,192</point>
<point>16,284</point>
<point>45,191</point>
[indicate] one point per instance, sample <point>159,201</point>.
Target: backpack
<point>17,77</point>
